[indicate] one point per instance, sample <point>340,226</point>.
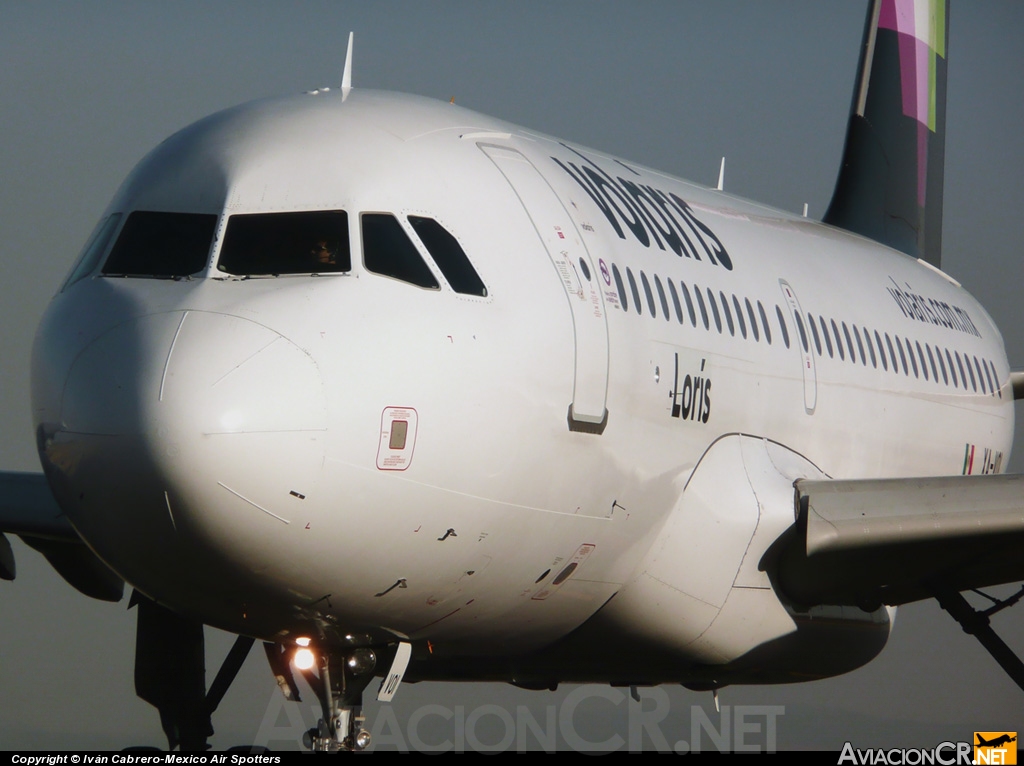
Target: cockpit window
<point>449,256</point>
<point>162,244</point>
<point>94,249</point>
<point>311,242</point>
<point>388,250</point>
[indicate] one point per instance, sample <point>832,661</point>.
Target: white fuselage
<point>225,443</point>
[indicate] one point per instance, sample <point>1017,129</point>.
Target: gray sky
<point>87,89</point>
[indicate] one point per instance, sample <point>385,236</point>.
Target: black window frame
<point>285,243</point>
<point>150,228</point>
<point>412,250</point>
<point>450,257</point>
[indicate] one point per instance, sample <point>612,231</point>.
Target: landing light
<point>304,658</point>
<point>302,640</point>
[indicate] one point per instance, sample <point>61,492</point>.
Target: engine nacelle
<point>702,591</point>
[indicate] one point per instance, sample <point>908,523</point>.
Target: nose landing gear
<point>342,678</point>
<point>170,674</point>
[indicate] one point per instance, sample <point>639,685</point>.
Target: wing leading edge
<point>28,509</point>
<point>893,541</point>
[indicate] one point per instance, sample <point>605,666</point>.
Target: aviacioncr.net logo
<point>944,754</point>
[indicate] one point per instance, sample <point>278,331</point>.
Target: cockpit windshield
<point>154,244</point>
<point>310,242</point>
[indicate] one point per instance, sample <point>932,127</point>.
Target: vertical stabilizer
<point>890,182</point>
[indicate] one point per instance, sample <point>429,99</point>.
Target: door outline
<point>588,412</point>
<point>803,344</point>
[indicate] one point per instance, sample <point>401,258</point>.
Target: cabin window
<point>621,287</point>
<point>931,358</point>
<point>981,378</point>
<point>266,244</point>
<point>753,319</point>
<point>565,573</point>
<point>689,305</point>
<point>94,249</point>
<point>814,333</point>
<point>153,244</point>
<point>903,357</point>
<point>728,314</point>
<point>649,294</point>
<point>942,365</point>
<point>988,374</point>
<point>782,325</point>
<point>451,258</point>
<point>963,377</point>
<point>702,307</point>
<point>839,340</point>
<point>849,343</point>
<point>802,331</point>
<point>388,251</point>
<point>764,323</point>
<point>871,349</point>
<point>892,354</point>
<point>826,336</point>
<point>881,351</point>
<point>635,291</point>
<point>952,370</point>
<point>739,316</point>
<point>662,298</point>
<point>860,346</point>
<point>675,301</point>
<point>714,310</point>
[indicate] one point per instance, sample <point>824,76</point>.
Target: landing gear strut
<point>975,622</point>
<point>170,673</point>
<point>339,687</point>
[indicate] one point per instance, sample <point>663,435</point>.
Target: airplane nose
<point>221,373</point>
<point>185,427</point>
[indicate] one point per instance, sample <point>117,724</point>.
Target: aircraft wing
<point>27,509</point>
<point>893,541</point>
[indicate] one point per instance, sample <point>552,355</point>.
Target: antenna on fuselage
<point>346,77</point>
<point>721,176</point>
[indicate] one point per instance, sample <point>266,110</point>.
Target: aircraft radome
<point>49,233</point>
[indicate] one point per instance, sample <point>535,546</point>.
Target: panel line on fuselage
<point>399,477</point>
<point>240,496</point>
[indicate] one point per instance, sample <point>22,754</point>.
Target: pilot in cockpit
<point>323,254</point>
